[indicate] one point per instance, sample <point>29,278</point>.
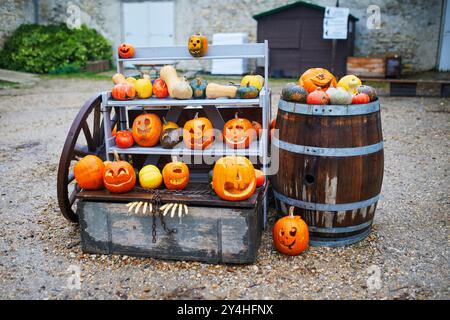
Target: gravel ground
<point>408,247</point>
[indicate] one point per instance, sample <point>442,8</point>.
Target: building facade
<point>410,28</point>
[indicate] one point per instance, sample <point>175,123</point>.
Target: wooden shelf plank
<point>199,194</point>
<point>217,148</point>
<point>169,102</point>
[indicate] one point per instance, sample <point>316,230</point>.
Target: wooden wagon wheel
<point>94,144</point>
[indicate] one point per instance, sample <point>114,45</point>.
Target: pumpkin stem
<point>291,211</point>
<point>164,120</point>
<point>236,115</point>
<point>196,116</point>
<point>116,156</point>
<point>174,158</point>
<point>248,84</point>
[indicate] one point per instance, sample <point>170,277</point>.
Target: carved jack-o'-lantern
<point>147,129</point>
<point>119,176</point>
<point>198,133</point>
<point>238,132</point>
<point>234,178</point>
<point>290,234</point>
<point>126,51</point>
<point>197,45</point>
<point>317,78</point>
<point>176,175</point>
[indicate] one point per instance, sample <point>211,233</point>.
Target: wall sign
<point>335,23</point>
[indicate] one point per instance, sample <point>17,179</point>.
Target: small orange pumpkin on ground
<point>126,51</point>
<point>234,178</point>
<point>290,234</point>
<point>198,133</point>
<point>88,172</point>
<point>147,129</point>
<point>123,91</point>
<point>238,133</point>
<point>317,78</point>
<point>176,175</point>
<point>197,45</point>
<point>119,176</point>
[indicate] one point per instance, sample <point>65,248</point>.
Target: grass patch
<point>81,75</point>
<point>7,84</point>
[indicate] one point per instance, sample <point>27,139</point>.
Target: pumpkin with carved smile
<point>317,78</point>
<point>119,176</point>
<point>198,133</point>
<point>197,45</point>
<point>176,175</point>
<point>126,51</point>
<point>147,129</point>
<point>234,178</point>
<point>290,234</point>
<point>238,132</point>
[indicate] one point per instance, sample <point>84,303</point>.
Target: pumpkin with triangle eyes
<point>317,78</point>
<point>234,178</point>
<point>119,176</point>
<point>176,175</point>
<point>238,133</point>
<point>126,51</point>
<point>147,129</point>
<point>197,45</point>
<point>290,234</point>
<point>198,133</point>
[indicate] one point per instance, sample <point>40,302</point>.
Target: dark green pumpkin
<point>294,93</point>
<point>370,91</point>
<point>198,86</point>
<point>247,92</point>
<point>171,137</point>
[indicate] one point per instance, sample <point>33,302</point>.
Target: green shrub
<point>53,48</point>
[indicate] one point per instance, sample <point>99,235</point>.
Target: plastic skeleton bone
<point>182,208</point>
<point>136,205</point>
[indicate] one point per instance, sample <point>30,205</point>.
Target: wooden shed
<point>295,35</point>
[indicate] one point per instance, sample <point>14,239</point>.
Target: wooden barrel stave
<point>330,180</point>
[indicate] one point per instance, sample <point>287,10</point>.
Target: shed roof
<point>294,5</point>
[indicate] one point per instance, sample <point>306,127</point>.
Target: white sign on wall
<point>335,23</point>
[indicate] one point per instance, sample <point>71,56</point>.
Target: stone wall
<point>408,27</point>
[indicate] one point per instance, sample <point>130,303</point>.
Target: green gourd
<point>247,92</point>
<point>198,86</point>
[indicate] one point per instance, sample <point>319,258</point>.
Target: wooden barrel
<point>330,168</point>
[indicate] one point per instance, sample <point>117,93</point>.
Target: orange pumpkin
<point>238,132</point>
<point>234,178</point>
<point>147,129</point>
<point>318,97</point>
<point>126,51</point>
<point>290,234</point>
<point>198,133</point>
<point>197,45</point>
<point>317,78</point>
<point>88,172</point>
<point>258,128</point>
<point>176,175</point>
<point>119,176</point>
<point>123,91</point>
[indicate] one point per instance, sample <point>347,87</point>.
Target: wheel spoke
<point>97,138</point>
<point>88,136</point>
<point>82,151</point>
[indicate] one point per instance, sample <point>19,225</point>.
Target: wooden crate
<point>366,67</point>
<point>206,234</point>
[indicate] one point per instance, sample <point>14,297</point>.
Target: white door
<point>148,23</point>
<point>444,61</point>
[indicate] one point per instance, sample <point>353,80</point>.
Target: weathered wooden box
<point>207,234</point>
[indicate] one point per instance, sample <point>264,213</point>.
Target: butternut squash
<point>214,90</point>
<point>182,89</point>
<point>178,87</point>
